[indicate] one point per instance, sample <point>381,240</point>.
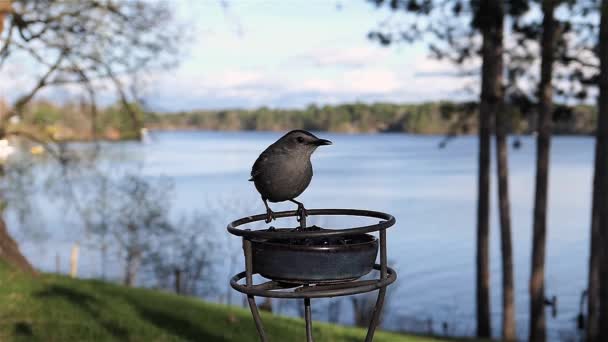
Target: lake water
<point>430,191</point>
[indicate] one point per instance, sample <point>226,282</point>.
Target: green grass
<point>57,308</point>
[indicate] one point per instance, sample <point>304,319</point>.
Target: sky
<point>288,54</point>
<point>285,54</point>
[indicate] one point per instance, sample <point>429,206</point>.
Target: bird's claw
<point>301,212</point>
<point>269,216</point>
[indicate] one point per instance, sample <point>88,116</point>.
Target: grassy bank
<point>57,308</point>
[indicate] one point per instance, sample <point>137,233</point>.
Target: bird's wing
<point>257,166</point>
<point>265,159</point>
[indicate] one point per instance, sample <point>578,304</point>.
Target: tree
<point>545,112</point>
<point>593,289</point>
<point>573,63</point>
<point>453,28</point>
<point>9,249</point>
<point>508,281</point>
<point>602,148</point>
<point>84,45</point>
<point>142,218</point>
<point>186,255</point>
<point>490,19</point>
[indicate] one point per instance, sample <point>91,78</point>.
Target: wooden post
<point>178,276</point>
<point>74,260</point>
<point>57,264</point>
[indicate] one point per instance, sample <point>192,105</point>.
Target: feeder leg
<point>256,318</point>
<point>249,282</point>
<point>308,317</point>
<point>376,318</point>
<point>380,301</point>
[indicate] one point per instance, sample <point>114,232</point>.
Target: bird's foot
<point>269,215</point>
<point>301,212</point>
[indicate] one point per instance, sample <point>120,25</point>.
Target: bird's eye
<point>300,139</point>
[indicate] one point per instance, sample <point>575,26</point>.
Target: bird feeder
<point>314,262</point>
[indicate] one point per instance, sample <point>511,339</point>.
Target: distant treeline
<point>77,121</point>
<point>426,118</point>
<point>74,121</point>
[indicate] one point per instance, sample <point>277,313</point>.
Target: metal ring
<point>355,288</point>
<point>388,221</point>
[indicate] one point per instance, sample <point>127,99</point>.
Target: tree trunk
<point>363,308</point>
<point>602,141</point>
<point>491,96</point>
<point>483,228</point>
<point>177,280</point>
<point>9,251</point>
<point>266,305</point>
<point>502,168</point>
<point>133,260</point>
<point>593,288</point>
<point>543,144</point>
<point>5,8</point>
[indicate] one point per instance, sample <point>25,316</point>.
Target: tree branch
<point>41,84</point>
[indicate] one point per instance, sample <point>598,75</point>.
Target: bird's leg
<point>269,212</point>
<point>301,212</point>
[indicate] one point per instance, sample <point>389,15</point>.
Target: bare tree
<point>129,215</point>
<point>363,309</point>
<point>85,45</point>
<point>187,256</point>
<point>333,310</point>
<point>142,217</point>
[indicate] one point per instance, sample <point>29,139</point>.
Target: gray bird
<point>283,171</point>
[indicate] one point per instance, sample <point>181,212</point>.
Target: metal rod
<point>248,262</point>
<point>319,291</point>
<point>388,221</point>
<point>373,324</point>
<point>383,261</point>
<point>376,318</point>
<point>250,298</point>
<point>256,318</point>
<point>335,286</point>
<point>308,317</point>
<point>273,285</point>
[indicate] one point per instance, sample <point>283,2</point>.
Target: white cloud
<point>286,87</point>
<point>374,80</point>
<point>351,57</point>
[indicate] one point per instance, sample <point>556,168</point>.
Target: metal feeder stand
<point>313,288</point>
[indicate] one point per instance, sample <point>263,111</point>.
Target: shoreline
<point>447,134</point>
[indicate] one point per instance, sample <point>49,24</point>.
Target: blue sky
<point>279,54</point>
<point>290,54</point>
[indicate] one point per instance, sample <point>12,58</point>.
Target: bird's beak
<point>321,142</point>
